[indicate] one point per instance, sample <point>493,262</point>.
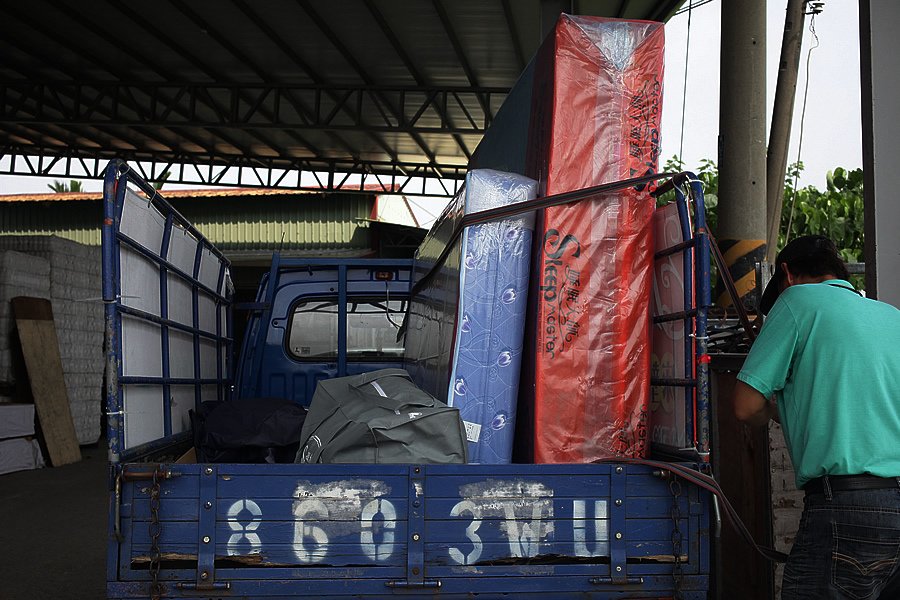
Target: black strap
<point>516,209</point>
<point>711,485</point>
<point>728,281</point>
<point>844,287</point>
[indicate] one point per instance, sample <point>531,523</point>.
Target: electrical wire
<point>687,52</point>
<point>812,30</point>
<point>691,6</point>
<point>689,10</point>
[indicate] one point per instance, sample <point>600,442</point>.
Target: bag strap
<point>367,378</point>
<point>367,386</point>
<point>711,485</point>
<point>374,394</point>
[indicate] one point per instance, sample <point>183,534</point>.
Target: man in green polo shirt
<point>827,365</point>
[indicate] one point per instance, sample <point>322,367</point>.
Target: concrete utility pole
<point>879,46</point>
<point>742,143</point>
<point>782,115</point>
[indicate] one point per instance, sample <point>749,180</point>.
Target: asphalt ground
<point>53,530</point>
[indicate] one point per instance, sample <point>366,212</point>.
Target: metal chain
<point>677,536</point>
<point>155,529</point>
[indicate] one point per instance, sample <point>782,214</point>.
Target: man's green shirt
<point>832,359</point>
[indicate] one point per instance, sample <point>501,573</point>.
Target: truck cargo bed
<point>182,530</point>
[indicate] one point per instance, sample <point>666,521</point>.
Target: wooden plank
<point>40,348</point>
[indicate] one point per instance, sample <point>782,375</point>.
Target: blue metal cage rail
<point>118,179</point>
<point>695,253</point>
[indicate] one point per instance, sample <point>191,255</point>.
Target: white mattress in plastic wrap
<point>20,454</point>
<point>16,420</point>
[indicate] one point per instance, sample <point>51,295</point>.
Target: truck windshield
<point>371,329</point>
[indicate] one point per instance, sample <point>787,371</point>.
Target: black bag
<point>249,430</point>
<point>380,417</point>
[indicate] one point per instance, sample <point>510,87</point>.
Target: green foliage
<point>708,173</point>
<point>836,212</point>
<point>61,186</point>
<point>159,183</point>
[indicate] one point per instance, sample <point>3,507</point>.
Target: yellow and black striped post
<point>740,257</point>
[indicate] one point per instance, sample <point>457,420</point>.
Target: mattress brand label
<point>560,290</point>
<point>643,129</point>
<point>630,438</point>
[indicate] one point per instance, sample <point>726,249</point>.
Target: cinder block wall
<point>73,284</point>
<point>787,500</point>
<point>20,275</point>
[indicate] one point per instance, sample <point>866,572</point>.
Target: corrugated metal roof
<point>51,197</point>
<point>375,86</point>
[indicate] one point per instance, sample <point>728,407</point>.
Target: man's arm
<point>751,407</point>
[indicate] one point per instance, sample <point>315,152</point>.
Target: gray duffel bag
<point>379,417</point>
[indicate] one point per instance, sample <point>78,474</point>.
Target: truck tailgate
<point>304,530</point>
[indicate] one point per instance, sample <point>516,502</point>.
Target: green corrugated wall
<point>79,221</point>
<point>306,222</point>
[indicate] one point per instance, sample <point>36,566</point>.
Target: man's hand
<point>751,407</point>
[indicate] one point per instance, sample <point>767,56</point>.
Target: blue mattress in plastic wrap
<point>466,325</point>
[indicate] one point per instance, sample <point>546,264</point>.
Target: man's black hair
<point>810,255</point>
<point>821,262</point>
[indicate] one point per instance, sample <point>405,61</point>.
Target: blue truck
<point>272,531</point>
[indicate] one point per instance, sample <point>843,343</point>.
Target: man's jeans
<point>848,546</point>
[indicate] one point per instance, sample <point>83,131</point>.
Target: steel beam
<point>665,9</point>
<point>31,51</point>
<point>325,175</point>
<point>239,107</point>
<point>73,131</point>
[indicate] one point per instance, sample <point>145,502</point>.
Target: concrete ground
<point>53,530</point>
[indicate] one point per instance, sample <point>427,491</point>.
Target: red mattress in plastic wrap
<point>595,118</point>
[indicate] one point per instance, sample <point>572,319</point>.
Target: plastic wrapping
<point>466,328</point>
<point>595,114</point>
<point>431,318</point>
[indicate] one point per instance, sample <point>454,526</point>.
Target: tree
<point>836,212</point>
<point>61,186</point>
<point>708,174</point>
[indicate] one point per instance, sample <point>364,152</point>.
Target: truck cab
<point>316,319</point>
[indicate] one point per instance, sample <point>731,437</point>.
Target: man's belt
<point>845,483</point>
